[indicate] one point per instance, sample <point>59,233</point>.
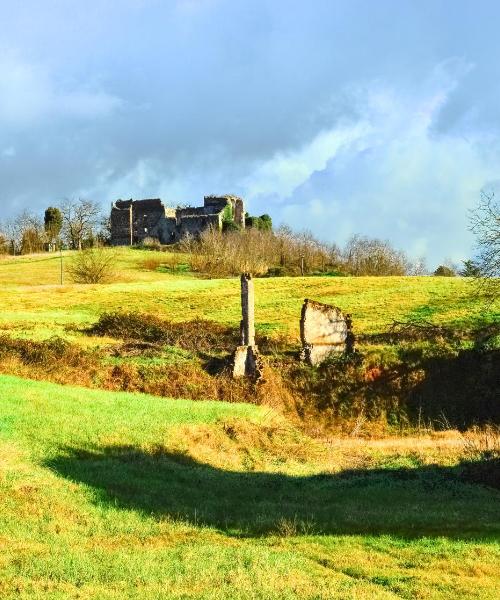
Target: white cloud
<point>285,172</point>
<point>387,174</point>
<point>29,94</point>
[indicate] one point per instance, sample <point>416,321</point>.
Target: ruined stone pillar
<point>246,359</point>
<point>247,310</point>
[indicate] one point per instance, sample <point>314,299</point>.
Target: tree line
<point>287,252</point>
<point>74,225</point>
<point>79,224</point>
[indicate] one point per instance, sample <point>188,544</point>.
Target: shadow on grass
<point>407,502</point>
<point>464,389</point>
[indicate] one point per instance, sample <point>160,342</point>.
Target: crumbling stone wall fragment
<point>324,329</point>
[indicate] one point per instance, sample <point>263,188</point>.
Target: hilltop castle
<point>132,221</point>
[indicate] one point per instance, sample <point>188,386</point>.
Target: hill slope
<point>115,495</point>
<point>33,302</point>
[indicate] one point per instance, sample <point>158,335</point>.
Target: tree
<point>80,219</point>
<point>262,223</point>
<point>266,223</point>
<point>33,240</point>
<point>4,244</point>
<point>53,222</point>
<point>485,224</point>
<point>14,235</point>
<point>470,269</point>
<point>371,256</point>
<point>418,267</point>
<point>25,233</point>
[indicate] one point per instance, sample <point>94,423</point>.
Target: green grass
<point>115,495</point>
<point>34,305</point>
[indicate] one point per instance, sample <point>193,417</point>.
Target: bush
<point>93,265</point>
<point>228,226</point>
<point>152,264</point>
<point>49,354</point>
<point>150,243</point>
<point>262,223</point>
<point>444,271</point>
<point>197,336</point>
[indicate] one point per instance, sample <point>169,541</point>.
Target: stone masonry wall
<point>121,223</point>
<point>324,329</point>
<point>134,220</point>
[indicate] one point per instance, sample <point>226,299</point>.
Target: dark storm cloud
<point>293,105</point>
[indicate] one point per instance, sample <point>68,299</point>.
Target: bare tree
<point>4,241</point>
<point>418,267</point>
<point>485,224</point>
<point>80,220</point>
<point>12,232</point>
<point>370,256</point>
<point>24,234</point>
<point>33,236</point>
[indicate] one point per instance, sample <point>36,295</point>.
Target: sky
<point>377,117</point>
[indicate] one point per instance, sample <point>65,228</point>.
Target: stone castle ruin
<point>132,221</point>
<point>324,330</point>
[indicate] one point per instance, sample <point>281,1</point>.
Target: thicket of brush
<point>284,252</point>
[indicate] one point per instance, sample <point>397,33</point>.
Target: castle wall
<point>215,204</point>
<point>239,212</point>
<point>195,225</point>
<point>121,223</point>
<point>167,231</point>
<point>146,217</point>
<point>134,220</point>
<point>191,211</point>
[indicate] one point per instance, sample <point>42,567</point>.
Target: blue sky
<point>378,117</point>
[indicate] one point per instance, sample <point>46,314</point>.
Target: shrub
<point>444,271</point>
<point>47,356</point>
<point>150,243</point>
<point>152,264</point>
<point>92,265</point>
<point>228,226</point>
<point>263,223</point>
<point>257,251</point>
<point>197,335</point>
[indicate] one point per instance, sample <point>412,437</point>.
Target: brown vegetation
<point>419,386</point>
<point>92,265</point>
<point>284,252</point>
<point>196,336</point>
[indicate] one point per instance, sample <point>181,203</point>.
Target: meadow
<point>34,303</point>
<point>110,494</point>
<point>115,495</point>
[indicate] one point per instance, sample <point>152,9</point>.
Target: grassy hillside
<point>32,301</point>
<point>115,495</point>
<point>393,381</point>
